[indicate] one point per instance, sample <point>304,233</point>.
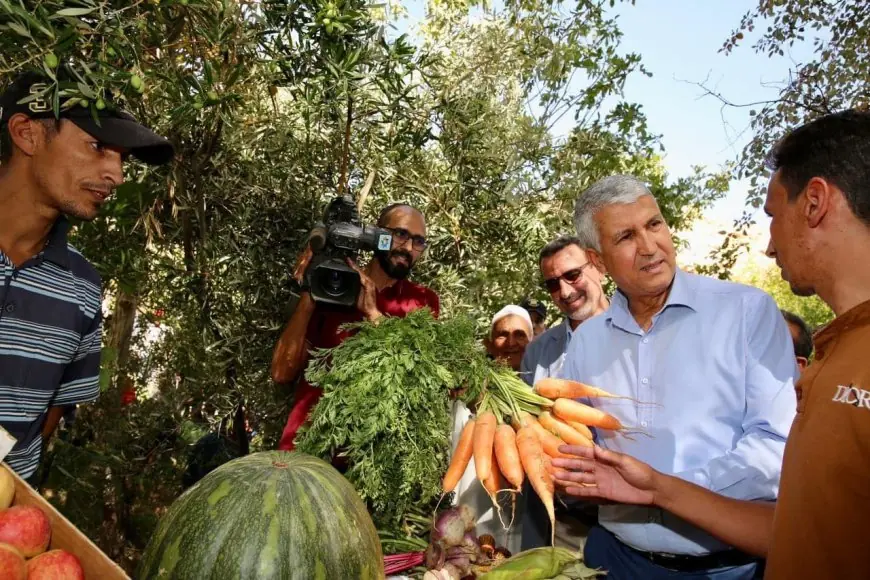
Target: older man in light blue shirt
<point>711,366</point>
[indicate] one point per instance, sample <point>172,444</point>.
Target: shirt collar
<point>856,317</point>
<point>395,289</point>
<point>682,294</point>
<point>56,249</point>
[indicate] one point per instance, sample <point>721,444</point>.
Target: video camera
<point>341,235</point>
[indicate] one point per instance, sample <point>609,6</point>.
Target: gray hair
<point>608,191</point>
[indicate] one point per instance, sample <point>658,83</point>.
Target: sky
<point>679,43</point>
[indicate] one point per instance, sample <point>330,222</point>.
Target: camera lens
<point>334,283</point>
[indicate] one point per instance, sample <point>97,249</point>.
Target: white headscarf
<point>512,309</point>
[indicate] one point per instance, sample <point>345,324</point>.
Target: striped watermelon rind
<point>273,514</point>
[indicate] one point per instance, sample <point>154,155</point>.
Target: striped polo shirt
<point>50,341</point>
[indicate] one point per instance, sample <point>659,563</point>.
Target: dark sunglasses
<point>571,277</point>
<point>402,235</point>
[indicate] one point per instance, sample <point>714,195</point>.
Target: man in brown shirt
<point>818,200</point>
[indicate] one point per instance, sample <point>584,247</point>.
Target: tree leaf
<point>74,12</point>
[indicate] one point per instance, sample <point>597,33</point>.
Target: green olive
<point>197,105</point>
<point>212,96</point>
<point>51,60</point>
<point>83,103</point>
<point>101,104</point>
<point>136,82</point>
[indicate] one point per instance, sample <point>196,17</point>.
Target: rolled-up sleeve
<point>751,469</point>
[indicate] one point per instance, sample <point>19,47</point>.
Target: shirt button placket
<point>6,272</point>
<point>644,392</point>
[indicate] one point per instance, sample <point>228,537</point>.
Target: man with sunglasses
<point>386,291</point>
<point>574,285</point>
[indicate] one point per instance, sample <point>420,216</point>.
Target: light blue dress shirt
<point>545,355</point>
<point>718,365</point>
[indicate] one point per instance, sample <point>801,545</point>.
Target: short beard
<point>396,272</point>
<point>78,211</point>
<point>584,313</point>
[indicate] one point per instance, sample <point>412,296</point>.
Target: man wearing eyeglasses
<point>574,285</point>
<point>386,291</point>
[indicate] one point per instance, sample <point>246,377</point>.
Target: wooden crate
<point>65,536</point>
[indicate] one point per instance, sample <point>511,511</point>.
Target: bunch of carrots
<point>517,431</point>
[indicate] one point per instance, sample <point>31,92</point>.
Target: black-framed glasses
<point>571,277</point>
<point>402,235</point>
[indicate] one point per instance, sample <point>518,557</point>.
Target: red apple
<point>55,565</point>
<point>12,564</point>
<point>26,528</point>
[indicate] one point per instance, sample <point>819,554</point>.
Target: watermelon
<point>273,514</point>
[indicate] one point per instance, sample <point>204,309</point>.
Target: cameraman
<point>386,291</point>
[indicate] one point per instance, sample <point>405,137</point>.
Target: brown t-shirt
<point>821,527</point>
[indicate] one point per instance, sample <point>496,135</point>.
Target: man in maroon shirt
<point>386,291</point>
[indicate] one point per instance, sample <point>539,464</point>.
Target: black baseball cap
<point>116,127</point>
<point>535,305</point>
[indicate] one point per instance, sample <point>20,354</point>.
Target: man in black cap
<point>50,296</point>
<point>538,312</point>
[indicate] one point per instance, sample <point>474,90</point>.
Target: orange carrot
<point>553,388</point>
<point>495,482</point>
<point>461,457</point>
<point>524,420</point>
<point>570,410</point>
<point>535,464</point>
<point>583,429</point>
<point>549,441</point>
<point>563,430</point>
<point>484,433</point>
<point>507,457</point>
<point>493,485</point>
<point>548,463</point>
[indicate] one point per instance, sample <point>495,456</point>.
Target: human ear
<point>818,195</point>
<point>23,133</point>
<point>595,257</point>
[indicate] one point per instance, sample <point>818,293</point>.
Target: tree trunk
<point>123,323</point>
<point>120,335</point>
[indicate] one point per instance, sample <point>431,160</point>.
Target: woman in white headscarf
<point>510,332</point>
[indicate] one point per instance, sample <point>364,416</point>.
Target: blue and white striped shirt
<point>50,339</point>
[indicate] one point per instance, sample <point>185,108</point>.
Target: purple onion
<point>449,528</point>
<point>468,516</point>
<point>469,540</point>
